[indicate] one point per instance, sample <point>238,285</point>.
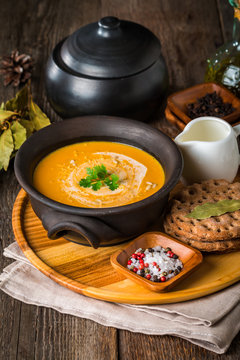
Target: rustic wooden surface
<point>189,31</point>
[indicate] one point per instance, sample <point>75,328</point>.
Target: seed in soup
<point>114,174</point>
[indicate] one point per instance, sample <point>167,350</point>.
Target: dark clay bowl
<point>105,226</point>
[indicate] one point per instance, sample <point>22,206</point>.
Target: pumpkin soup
<point>97,174</point>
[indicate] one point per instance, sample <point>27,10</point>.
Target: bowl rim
<point>75,210</point>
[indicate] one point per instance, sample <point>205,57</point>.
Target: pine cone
<point>16,68</point>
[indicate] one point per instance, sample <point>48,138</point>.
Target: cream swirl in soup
<point>59,174</point>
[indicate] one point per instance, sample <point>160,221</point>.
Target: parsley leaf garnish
<point>97,177</point>
<point>85,182</point>
<point>112,182</point>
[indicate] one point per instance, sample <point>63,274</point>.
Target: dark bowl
<point>104,226</point>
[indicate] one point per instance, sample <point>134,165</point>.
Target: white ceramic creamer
<point>210,150</point>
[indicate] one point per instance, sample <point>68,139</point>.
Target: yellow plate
<point>89,272</point>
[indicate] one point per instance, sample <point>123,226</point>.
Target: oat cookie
<point>221,228</point>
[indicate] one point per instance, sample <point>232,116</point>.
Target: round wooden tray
<point>89,272</point>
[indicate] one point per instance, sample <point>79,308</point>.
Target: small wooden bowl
<point>178,101</point>
<point>173,119</point>
<point>189,256</point>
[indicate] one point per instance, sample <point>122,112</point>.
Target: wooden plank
<point>61,337</point>
<point>27,332</point>
<point>140,346</point>
<point>184,33</point>
<point>10,309</point>
<point>226,15</point>
<point>9,326</point>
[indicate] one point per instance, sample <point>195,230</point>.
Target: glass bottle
<point>224,66</point>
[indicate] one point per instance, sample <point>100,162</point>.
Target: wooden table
<point>189,31</point>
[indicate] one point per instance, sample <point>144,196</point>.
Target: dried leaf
<point>4,115</point>
<point>29,126</point>
<point>38,118</point>
<point>11,105</point>
<point>214,209</point>
<point>29,118</point>
<point>6,148</point>
<point>20,102</point>
<point>19,134</point>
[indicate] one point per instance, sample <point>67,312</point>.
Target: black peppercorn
<point>211,105</point>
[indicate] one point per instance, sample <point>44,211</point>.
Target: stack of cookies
<point>216,233</point>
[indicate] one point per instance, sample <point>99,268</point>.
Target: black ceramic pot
<point>105,226</point>
<point>112,67</point>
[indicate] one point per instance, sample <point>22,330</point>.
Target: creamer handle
<point>236,129</point>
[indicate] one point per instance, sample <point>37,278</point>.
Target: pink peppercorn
<point>129,262</point>
<point>135,269</point>
<point>163,278</point>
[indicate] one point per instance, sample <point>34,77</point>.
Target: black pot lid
<point>110,48</point>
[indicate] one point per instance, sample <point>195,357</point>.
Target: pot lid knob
<point>109,22</point>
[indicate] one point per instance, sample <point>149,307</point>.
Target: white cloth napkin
<point>211,322</point>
